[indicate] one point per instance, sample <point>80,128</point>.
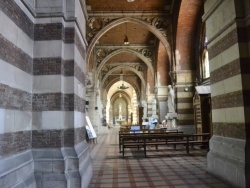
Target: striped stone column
<point>184,101</point>
<point>16,75</point>
<point>227,25</point>
<point>42,95</point>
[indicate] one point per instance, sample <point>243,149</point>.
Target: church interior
<point>73,73</point>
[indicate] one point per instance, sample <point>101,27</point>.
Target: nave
<point>170,169</point>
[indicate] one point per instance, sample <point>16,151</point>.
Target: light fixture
<point>130,1</point>
<point>187,88</point>
<point>86,104</point>
<point>122,87</point>
<point>126,42</point>
<point>126,39</point>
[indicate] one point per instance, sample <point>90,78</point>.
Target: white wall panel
<point>14,120</point>
<point>15,35</point>
<point>52,48</point>
<point>14,77</point>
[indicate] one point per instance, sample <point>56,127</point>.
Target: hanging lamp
<point>122,87</point>
<point>126,42</point>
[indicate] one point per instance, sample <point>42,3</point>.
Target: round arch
<point>125,80</point>
<point>113,24</point>
<point>116,95</point>
<point>127,67</point>
<point>143,58</point>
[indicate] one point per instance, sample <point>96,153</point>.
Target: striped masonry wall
<point>42,99</point>
<point>227,28</point>
<point>16,51</point>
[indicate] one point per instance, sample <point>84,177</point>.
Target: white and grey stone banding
<point>42,103</point>
<point>229,66</point>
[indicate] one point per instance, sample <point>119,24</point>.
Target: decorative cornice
<point>136,66</point>
<point>96,23</point>
<point>102,52</point>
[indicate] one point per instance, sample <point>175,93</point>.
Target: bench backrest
<point>163,136</point>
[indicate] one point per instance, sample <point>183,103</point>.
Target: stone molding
<point>34,167</point>
<point>227,159</point>
<point>102,52</point>
<point>96,23</point>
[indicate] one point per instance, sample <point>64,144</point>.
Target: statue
<point>89,82</point>
<point>144,104</point>
<point>120,110</point>
<point>154,106</point>
<point>171,108</point>
<point>120,107</point>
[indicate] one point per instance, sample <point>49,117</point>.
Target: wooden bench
<point>201,139</point>
<point>143,132</point>
<point>144,140</point>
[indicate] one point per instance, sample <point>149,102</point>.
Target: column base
<point>226,159</point>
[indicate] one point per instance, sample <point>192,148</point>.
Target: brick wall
<point>48,31</point>
<point>186,50</point>
<point>14,12</point>
<point>14,55</point>
<point>12,143</point>
<point>12,98</point>
<point>163,66</point>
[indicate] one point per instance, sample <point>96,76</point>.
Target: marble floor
<point>165,168</point>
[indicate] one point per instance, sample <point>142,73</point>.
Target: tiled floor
<point>169,169</point>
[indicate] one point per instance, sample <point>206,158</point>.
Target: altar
<point>119,122</point>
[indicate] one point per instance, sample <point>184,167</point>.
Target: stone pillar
<point>43,76</point>
<point>162,102</point>
<point>92,111</point>
<point>111,123</point>
<point>103,129</point>
<point>171,121</point>
<point>16,75</point>
<point>227,29</point>
<point>135,108</point>
<point>184,101</point>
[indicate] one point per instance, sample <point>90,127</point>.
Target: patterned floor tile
<point>168,168</point>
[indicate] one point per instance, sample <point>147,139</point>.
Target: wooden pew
<point>144,132</point>
<point>201,139</point>
<point>144,140</point>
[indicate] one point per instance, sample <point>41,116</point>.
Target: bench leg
<point>192,146</point>
<point>207,147</point>
<point>174,146</point>
<point>187,148</point>
<point>123,152</point>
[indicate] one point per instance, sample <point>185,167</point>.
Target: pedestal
<point>171,120</point>
<point>145,123</point>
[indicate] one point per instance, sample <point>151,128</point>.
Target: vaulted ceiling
<point>105,35</point>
